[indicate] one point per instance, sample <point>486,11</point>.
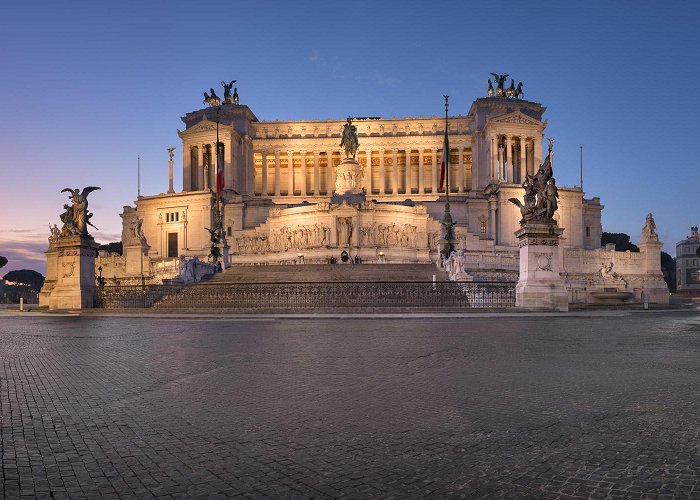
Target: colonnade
<point>200,170</point>
<point>386,172</point>
<point>512,157</point>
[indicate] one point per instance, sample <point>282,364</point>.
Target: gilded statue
<point>76,217</point>
<point>235,95</point>
<point>500,80</point>
<point>519,90</point>
<point>349,139</point>
<point>489,91</point>
<point>510,91</point>
<point>228,99</point>
<point>213,99</point>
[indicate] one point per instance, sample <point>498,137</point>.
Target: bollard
<point>21,304</point>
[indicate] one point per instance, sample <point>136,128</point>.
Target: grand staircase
<point>336,273</point>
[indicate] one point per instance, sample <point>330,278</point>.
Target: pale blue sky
<point>87,86</point>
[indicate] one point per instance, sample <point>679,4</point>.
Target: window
<point>482,228</point>
<point>228,231</point>
<point>588,231</point>
<point>172,217</point>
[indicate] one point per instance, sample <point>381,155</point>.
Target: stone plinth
<point>348,177</point>
<point>654,288</point>
<point>137,262</point>
<point>540,286</point>
<point>74,286</point>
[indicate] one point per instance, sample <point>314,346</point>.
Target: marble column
<point>501,163</point>
<point>264,174</point>
<point>200,168</point>
<point>460,172</point>
<point>228,164</point>
<point>368,172</point>
<point>186,167</point>
<point>394,172</point>
<point>509,163</point>
<point>421,172</point>
<point>330,175</point>
<point>434,173</point>
<point>382,171</point>
<point>290,173</point>
<point>537,160</point>
<point>523,158</point>
<point>494,157</point>
<point>408,171</point>
<point>303,173</point>
<point>317,175</point>
<point>277,173</point>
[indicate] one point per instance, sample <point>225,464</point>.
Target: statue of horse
<point>213,99</point>
<point>510,91</point>
<point>519,91</point>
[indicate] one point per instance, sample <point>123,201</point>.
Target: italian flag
<point>219,173</point>
<point>445,163</point>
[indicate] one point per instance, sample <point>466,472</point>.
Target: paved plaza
<point>559,406</point>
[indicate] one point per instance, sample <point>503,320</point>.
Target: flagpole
<point>138,176</point>
<point>447,222</point>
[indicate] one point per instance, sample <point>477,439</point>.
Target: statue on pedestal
<point>649,229</point>
<point>170,152</point>
<point>76,217</point>
<point>349,140</point>
<point>541,193</point>
<point>227,91</point>
<point>489,91</point>
<point>500,81</point>
<point>213,99</point>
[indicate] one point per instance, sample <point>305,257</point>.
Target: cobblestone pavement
<point>554,407</point>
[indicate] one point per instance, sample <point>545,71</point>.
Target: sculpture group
<point>349,141</point>
<point>214,100</point>
<point>501,91</point>
<point>541,193</point>
<point>76,217</point>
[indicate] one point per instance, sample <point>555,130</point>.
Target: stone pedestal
<point>136,256</point>
<point>348,177</point>
<point>655,289</point>
<point>51,275</point>
<point>540,286</point>
<point>75,273</point>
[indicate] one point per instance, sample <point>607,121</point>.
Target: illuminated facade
<point>279,178</point>
<point>688,262</point>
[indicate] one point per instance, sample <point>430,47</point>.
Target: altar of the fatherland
<point>289,197</point>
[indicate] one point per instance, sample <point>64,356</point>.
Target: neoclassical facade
<point>279,178</point>
<point>688,262</point>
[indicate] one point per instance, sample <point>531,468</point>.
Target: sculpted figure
<point>213,99</point>
<point>607,272</point>
<point>510,91</point>
<point>349,140</point>
<point>551,193</point>
<point>500,79</point>
<point>490,89</point>
<point>227,91</point>
<point>170,152</point>
<point>519,91</point>
<point>235,95</point>
<point>76,217</point>
<point>649,230</point>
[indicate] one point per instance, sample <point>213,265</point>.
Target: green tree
<point>668,267</point>
<point>621,240</point>
<point>114,247</point>
<point>3,261</point>
<point>26,276</point>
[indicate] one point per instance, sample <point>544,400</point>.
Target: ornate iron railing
<point>310,296</point>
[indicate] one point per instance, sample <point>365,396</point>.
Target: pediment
<point>516,118</point>
<point>203,126</point>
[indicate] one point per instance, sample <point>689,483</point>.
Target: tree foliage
<point>668,267</point>
<point>621,240</point>
<point>28,277</point>
<point>3,261</point>
<point>113,247</point>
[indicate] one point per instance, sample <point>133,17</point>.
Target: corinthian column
<point>303,173</point>
<point>408,171</point>
<point>290,173</point>
<point>421,172</point>
<point>264,174</point>
<point>434,172</point>
<point>277,173</point>
<point>395,172</point>
<point>317,177</point>
<point>368,172</point>
<point>382,171</point>
<point>460,172</point>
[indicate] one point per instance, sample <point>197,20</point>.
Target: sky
<point>87,86</point>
